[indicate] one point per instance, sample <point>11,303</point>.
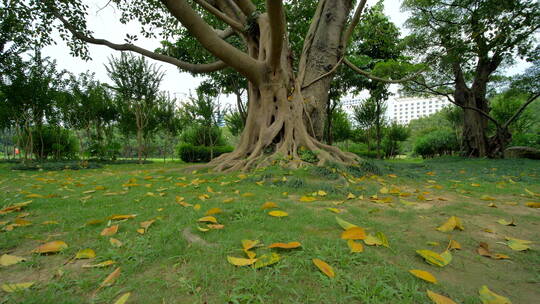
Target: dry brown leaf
<point>109,231</point>
<point>111,278</point>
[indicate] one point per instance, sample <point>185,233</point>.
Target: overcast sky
<point>104,23</point>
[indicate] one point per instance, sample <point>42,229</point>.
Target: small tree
<point>205,115</point>
<point>394,135</point>
<point>341,128</point>
<point>136,83</point>
<point>370,114</point>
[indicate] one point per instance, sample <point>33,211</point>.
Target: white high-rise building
<point>404,109</point>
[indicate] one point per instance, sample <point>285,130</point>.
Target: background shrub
<point>440,142</point>
<point>193,154</point>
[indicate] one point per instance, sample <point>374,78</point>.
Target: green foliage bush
<point>235,123</point>
<point>307,155</point>
<point>52,141</point>
<point>200,135</point>
<point>359,149</point>
<point>439,142</point>
<point>193,154</point>
<point>105,151</point>
<point>526,139</point>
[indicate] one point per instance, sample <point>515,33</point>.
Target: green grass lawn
<point>174,262</point>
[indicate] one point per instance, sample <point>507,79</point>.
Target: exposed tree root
<point>275,133</point>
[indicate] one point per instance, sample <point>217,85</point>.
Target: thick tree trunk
<point>275,132</point>
<point>324,50</point>
<point>474,142</point>
<point>498,143</point>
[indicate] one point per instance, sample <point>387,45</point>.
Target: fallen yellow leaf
<point>424,275</point>
<point>7,260</point>
<point>353,233</point>
<point>432,257</point>
<point>115,242</point>
<point>122,216</point>
<point>307,199</point>
<point>355,246</point>
<point>214,211</point>
<point>372,240</point>
<point>109,231</point>
<point>109,280</point>
<point>123,298</point>
<point>344,224</point>
<point>209,219</point>
<point>278,213</point>
<point>324,267</point>
<point>51,247</point>
<point>100,265</point>
<point>453,245</point>
<point>452,223</point>
<point>266,260</point>
<point>269,205</point>
<point>532,204</point>
<point>335,210</point>
<point>240,261</point>
<point>489,297</point>
<point>439,299</point>
<point>86,254</point>
<point>487,198</point>
<point>16,286</point>
<point>248,244</point>
<point>506,223</point>
<point>289,245</point>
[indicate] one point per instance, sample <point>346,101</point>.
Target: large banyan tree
<point>250,37</point>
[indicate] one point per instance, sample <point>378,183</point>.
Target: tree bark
<point>323,49</point>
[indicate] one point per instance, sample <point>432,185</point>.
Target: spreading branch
<point>226,33</point>
<point>198,28</point>
<point>332,70</point>
<point>276,18</point>
<point>385,80</point>
<point>452,101</point>
<point>246,6</point>
<point>354,22</point>
<point>216,12</point>
<point>521,109</point>
<point>194,68</point>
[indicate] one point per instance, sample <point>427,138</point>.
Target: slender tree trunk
<point>378,130</point>
<point>139,136</point>
<point>368,141</point>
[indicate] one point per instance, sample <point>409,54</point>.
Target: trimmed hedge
<point>200,154</point>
